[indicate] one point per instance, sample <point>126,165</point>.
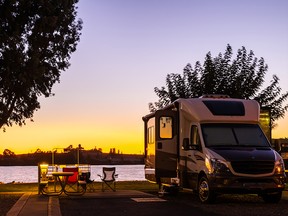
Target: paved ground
<point>39,205</point>
<point>131,202</point>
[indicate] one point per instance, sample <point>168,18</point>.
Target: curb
<point>54,207</point>
<point>17,207</point>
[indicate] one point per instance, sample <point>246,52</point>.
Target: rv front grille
<point>253,167</point>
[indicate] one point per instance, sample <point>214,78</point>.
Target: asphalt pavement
<point>118,203</point>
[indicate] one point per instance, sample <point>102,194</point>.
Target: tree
<point>238,78</point>
<point>37,39</point>
<point>8,153</point>
<point>38,151</point>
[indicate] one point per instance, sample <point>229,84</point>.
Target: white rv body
<point>214,143</point>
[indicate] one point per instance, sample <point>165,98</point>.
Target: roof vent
<point>214,96</point>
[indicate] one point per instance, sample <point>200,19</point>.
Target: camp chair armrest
<point>101,177</point>
<point>43,182</point>
<point>81,182</point>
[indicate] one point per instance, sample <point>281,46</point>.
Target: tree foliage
<point>241,77</point>
<point>36,41</point>
<point>8,153</point>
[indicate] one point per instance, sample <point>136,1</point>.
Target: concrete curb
<point>17,207</point>
<point>54,207</point>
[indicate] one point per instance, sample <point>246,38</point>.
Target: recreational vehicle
<point>212,145</point>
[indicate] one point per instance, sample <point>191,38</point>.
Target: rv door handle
<point>159,145</point>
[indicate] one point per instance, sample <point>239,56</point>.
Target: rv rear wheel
<point>204,192</point>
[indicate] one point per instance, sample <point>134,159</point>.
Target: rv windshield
<point>219,135</point>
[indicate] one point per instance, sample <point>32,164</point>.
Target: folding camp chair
<point>47,184</point>
<point>108,178</point>
<point>74,186</point>
<point>85,176</point>
<point>42,178</point>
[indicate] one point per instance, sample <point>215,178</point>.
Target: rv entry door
<point>166,122</point>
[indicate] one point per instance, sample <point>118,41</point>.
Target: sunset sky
<point>127,48</point>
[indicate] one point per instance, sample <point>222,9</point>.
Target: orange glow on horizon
<point>29,138</point>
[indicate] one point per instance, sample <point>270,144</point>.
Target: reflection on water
<point>29,174</point>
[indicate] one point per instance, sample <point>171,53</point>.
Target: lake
<point>29,174</point>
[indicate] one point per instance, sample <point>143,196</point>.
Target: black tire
<point>204,193</point>
<point>272,197</point>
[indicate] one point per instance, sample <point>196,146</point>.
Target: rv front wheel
<point>204,192</point>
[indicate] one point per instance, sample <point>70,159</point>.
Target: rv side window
<point>194,135</point>
<point>165,127</point>
<point>151,136</point>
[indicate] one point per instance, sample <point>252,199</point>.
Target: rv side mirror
<point>186,144</point>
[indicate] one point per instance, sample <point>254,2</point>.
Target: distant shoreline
<point>85,157</point>
<point>83,163</point>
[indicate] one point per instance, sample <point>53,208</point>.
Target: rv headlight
<point>279,166</point>
<point>216,166</point>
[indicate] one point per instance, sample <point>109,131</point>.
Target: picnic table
<point>62,178</point>
<point>53,181</point>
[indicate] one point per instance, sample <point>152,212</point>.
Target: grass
<point>19,187</point>
<point>120,185</point>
